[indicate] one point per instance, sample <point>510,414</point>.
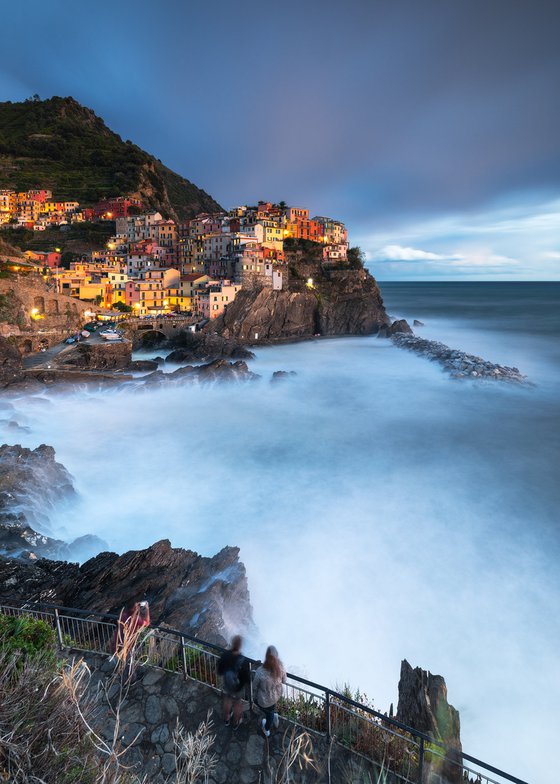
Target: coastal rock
<point>205,346</point>
<point>32,483</point>
<point>401,326</point>
<point>282,375</point>
<point>417,323</point>
<point>143,364</point>
<point>218,370</point>
<point>423,705</point>
<point>10,363</point>
<point>204,596</point>
<point>315,300</point>
<point>97,356</point>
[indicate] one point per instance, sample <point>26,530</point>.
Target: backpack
<point>231,677</point>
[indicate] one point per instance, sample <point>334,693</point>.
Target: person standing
<point>132,619</point>
<point>235,672</point>
<point>267,688</point>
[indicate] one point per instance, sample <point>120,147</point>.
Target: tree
<point>122,307</point>
<point>356,258</point>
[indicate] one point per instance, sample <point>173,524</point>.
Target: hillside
<point>63,146</point>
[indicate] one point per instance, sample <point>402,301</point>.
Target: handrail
<point>329,694</point>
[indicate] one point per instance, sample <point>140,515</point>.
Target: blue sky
<point>431,127</point>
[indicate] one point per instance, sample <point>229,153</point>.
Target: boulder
<point>417,323</point>
<point>282,375</point>
<point>401,325</point>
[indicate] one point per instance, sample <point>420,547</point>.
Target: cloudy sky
<point>431,127</point>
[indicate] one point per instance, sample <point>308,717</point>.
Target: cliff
<point>206,597</point>
<point>315,301</point>
<point>63,146</point>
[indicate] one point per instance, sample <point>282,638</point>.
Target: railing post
<point>328,709</point>
<point>58,628</point>
<point>421,762</point>
<point>184,654</point>
<point>250,686</point>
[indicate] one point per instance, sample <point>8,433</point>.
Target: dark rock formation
<point>207,597</point>
<point>282,375</point>
<point>32,483</point>
<point>10,363</point>
<point>417,323</point>
<point>400,327</point>
<point>315,301</point>
<point>143,364</point>
<point>218,370</point>
<point>204,347</point>
<point>97,356</point>
<point>459,364</point>
<point>423,705</point>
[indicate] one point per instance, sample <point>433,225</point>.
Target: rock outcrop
<point>96,356</point>
<point>10,363</point>
<point>205,347</point>
<point>218,370</point>
<point>314,301</point>
<point>32,483</point>
<point>206,597</point>
<point>423,705</point>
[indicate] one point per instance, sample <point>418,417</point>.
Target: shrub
<point>26,635</point>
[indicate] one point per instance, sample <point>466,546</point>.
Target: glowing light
<point>310,283</point>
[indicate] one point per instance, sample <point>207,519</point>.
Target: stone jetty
<point>458,364</point>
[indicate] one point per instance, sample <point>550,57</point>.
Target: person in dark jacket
<point>235,672</point>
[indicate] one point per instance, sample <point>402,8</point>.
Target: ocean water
<point>383,511</point>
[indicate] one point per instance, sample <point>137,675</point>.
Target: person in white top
<point>267,688</point>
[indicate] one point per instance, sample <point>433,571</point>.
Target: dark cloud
<point>362,109</point>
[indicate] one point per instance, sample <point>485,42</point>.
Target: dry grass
<point>194,759</point>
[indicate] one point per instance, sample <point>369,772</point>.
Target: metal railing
<point>400,753</point>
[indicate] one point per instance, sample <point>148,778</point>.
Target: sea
<point>383,511</point>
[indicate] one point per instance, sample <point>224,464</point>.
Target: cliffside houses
<point>36,210</point>
<point>154,266</point>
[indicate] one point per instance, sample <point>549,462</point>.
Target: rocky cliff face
<point>206,597</point>
<point>32,483</point>
<point>315,301</point>
<point>11,370</point>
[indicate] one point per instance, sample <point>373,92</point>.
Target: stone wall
<point>56,315</point>
<point>157,699</point>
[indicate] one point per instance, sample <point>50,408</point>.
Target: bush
<point>26,635</point>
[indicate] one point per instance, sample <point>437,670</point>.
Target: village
<point>153,266</point>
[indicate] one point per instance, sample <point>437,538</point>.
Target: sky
<point>430,127</point>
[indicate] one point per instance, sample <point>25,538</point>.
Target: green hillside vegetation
<point>76,238</point>
<point>63,146</point>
